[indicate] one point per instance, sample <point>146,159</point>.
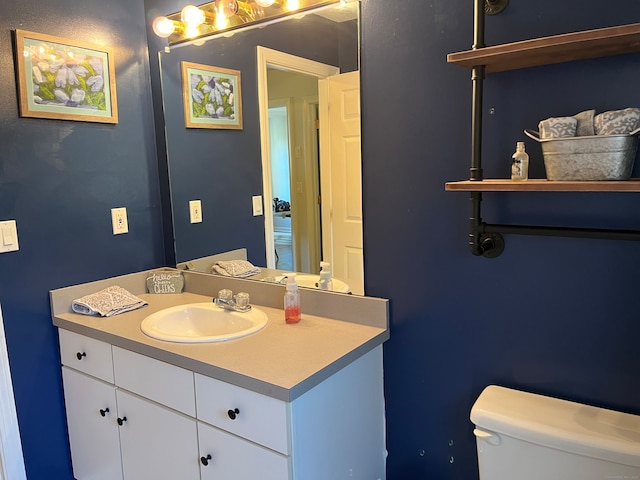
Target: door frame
<point>11,457</point>
<point>267,57</point>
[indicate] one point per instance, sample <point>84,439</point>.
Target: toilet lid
<point>560,424</point>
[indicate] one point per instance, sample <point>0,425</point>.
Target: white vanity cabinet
<point>134,417</point>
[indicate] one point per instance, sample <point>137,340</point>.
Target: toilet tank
<point>524,436</point>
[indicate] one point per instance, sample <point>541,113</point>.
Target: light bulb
<point>265,3</point>
<point>293,5</point>
<point>192,16</point>
<point>228,8</point>
<point>163,27</point>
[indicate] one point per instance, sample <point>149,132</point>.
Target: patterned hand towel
<point>108,302</point>
<point>235,268</point>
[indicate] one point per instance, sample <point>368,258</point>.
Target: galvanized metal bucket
<point>596,157</point>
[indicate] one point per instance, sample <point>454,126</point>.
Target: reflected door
<point>341,180</point>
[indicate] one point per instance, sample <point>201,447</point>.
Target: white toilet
<point>523,436</point>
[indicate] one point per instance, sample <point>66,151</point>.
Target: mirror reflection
<point>296,159</point>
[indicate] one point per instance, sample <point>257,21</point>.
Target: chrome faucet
<point>228,301</point>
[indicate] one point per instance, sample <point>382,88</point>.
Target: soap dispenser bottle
<point>292,300</point>
<point>520,163</point>
<point>325,283</point>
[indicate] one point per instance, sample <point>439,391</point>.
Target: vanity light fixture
<point>220,16</point>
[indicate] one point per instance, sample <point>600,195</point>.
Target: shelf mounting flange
<point>494,7</point>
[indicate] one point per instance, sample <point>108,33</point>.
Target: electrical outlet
<point>119,220</point>
<point>195,211</point>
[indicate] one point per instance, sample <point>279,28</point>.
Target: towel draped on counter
<point>108,302</point>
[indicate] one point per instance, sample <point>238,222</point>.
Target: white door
<point>157,443</point>
<point>93,431</point>
<point>341,178</point>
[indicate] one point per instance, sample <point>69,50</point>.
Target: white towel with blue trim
<point>235,268</point>
<point>108,302</point>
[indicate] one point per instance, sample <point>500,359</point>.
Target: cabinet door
<point>233,458</point>
<point>156,442</point>
<point>93,437</point>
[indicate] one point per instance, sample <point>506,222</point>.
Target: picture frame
<point>212,96</point>
<point>65,79</point>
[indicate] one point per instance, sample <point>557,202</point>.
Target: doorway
<point>280,147</point>
<point>280,77</point>
<point>331,229</point>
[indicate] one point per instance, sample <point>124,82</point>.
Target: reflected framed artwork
<point>65,79</point>
<point>212,97</point>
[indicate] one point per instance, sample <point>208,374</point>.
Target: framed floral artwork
<point>64,79</point>
<point>212,97</point>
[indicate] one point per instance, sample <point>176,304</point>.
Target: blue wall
<point>59,180</point>
<point>551,315</point>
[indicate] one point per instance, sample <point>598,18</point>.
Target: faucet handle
<point>242,299</point>
<point>225,294</point>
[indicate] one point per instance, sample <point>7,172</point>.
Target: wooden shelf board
<point>541,185</point>
<point>554,49</point>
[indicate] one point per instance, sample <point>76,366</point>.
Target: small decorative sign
<point>165,282</point>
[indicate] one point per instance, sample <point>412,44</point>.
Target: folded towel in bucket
<point>617,122</point>
<point>235,268</point>
<point>108,302</point>
<point>558,127</point>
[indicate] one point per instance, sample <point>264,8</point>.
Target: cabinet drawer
<point>260,418</point>
<point>233,458</point>
<point>156,380</point>
<point>88,355</point>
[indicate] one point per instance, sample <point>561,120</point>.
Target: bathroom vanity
<point>290,402</point>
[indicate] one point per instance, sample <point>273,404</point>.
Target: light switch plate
<point>119,220</point>
<point>195,211</point>
<point>257,205</point>
<point>8,236</point>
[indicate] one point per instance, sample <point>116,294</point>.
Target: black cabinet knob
<point>104,411</point>
<point>121,420</point>
<point>205,460</point>
<point>79,355</point>
<point>233,413</point>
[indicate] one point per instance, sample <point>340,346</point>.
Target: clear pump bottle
<point>325,283</point>
<point>520,163</point>
<point>292,300</point>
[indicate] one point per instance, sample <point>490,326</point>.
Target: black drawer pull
<point>233,413</point>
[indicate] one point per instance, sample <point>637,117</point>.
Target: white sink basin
<point>202,323</point>
<point>311,281</point>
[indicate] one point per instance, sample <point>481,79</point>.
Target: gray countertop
<point>282,361</point>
